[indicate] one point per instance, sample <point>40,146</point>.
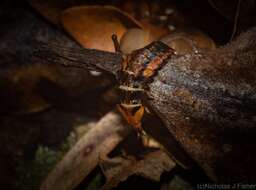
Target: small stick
<point>86,153</point>
<point>116,43</point>
<point>236,20</point>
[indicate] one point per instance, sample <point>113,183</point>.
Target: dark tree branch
<point>78,57</point>
<point>208,103</point>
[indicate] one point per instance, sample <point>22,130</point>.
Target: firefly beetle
<point>137,70</point>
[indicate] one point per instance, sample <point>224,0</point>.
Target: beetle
<point>137,70</point>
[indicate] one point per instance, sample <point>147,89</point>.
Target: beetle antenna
<point>116,43</point>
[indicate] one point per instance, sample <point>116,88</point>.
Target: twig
<point>236,20</point>
<point>77,57</point>
<point>84,156</point>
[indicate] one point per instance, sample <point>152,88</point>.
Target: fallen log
<point>207,101</point>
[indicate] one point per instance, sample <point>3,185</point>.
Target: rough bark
<point>27,39</point>
<point>207,101</point>
<point>77,57</point>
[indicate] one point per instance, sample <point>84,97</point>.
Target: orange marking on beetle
<point>132,119</point>
<point>156,63</point>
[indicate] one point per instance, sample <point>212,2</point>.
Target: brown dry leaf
<point>51,10</point>
<point>93,26</point>
<point>156,31</point>
<point>177,183</point>
<point>141,9</point>
<point>33,88</point>
<point>188,41</point>
<point>151,167</point>
<point>135,38</point>
<point>138,9</point>
<point>20,89</point>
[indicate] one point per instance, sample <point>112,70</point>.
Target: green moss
<point>31,173</point>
